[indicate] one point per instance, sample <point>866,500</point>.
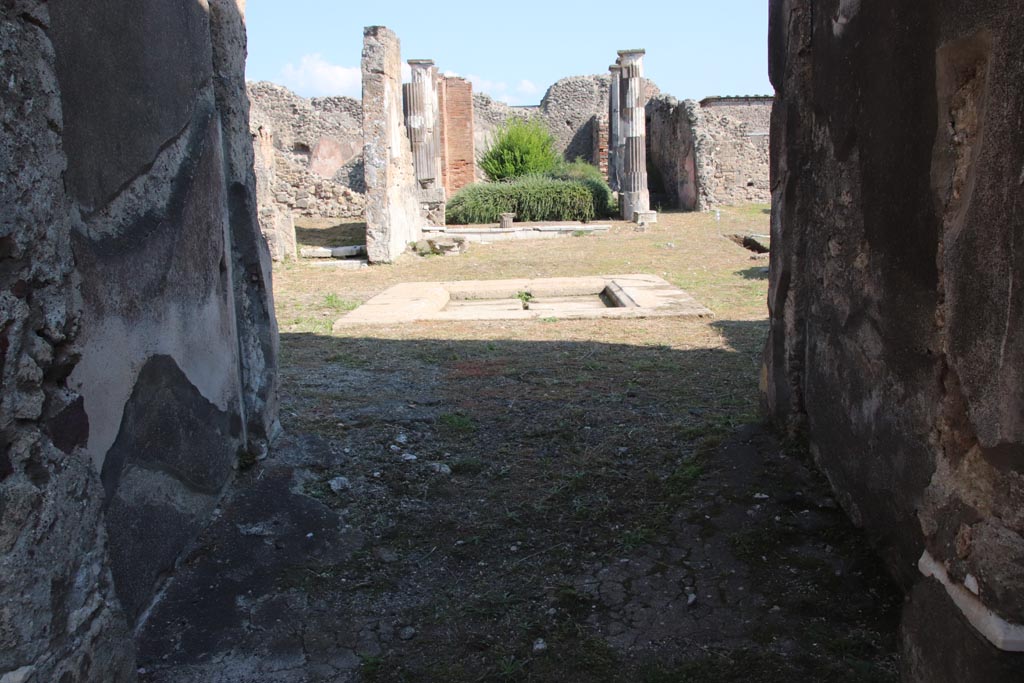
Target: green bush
<point>520,147</point>
<point>592,177</point>
<point>531,198</point>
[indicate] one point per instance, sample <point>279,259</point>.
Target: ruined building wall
<point>393,215</point>
<point>488,115</point>
<point>737,164</point>
<point>672,154</point>
<point>567,110</point>
<point>318,152</point>
<point>896,293</point>
<point>276,220</point>
<point>699,156</point>
<point>712,153</point>
<point>321,133</point>
<point>137,343</point>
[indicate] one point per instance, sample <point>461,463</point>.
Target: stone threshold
<point>564,298</point>
<point>525,231</point>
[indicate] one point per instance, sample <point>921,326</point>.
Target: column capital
<point>421,62</point>
<point>640,52</point>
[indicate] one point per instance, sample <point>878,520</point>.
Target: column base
<point>633,202</point>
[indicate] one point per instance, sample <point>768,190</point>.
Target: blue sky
<point>514,49</point>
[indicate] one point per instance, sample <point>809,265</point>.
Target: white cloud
<point>495,89</point>
<point>315,76</point>
<point>406,73</point>
<point>527,87</point>
<point>524,93</point>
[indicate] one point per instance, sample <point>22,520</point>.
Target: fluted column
<point>421,120</point>
<point>615,128</point>
<point>633,197</point>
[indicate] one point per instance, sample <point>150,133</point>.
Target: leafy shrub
<point>531,198</point>
<point>520,147</point>
<point>592,177</point>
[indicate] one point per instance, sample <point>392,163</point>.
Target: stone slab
<point>341,264</point>
<point>332,252</point>
<point>519,232</point>
<point>637,296</point>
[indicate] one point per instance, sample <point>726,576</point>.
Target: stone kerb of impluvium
<point>393,215</point>
<point>634,197</point>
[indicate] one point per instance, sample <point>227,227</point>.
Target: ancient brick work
<point>896,297</point>
<point>137,340</point>
<point>599,156</point>
<point>457,140</point>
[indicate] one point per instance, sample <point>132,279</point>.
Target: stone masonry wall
<point>276,221</point>
<point>738,132</point>
<point>896,295</point>
<point>137,343</point>
<point>722,159</point>
<point>393,216</point>
<point>567,110</point>
<point>332,125</point>
<point>709,154</point>
<point>318,143</point>
<point>672,154</point>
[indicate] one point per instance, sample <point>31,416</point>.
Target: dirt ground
<point>528,501</point>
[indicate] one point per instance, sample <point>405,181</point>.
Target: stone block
<point>645,217</point>
<point>393,215</point>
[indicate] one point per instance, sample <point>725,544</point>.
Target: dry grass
<point>687,249</point>
<point>579,443</point>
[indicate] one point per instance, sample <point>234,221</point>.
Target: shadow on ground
<point>495,510</point>
<point>754,273</point>
<point>343,234</point>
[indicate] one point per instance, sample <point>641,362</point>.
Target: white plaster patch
<point>200,340</point>
<point>18,676</point>
<point>848,9</point>
<point>1001,633</point>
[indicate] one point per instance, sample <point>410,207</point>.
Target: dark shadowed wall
<point>897,295</point>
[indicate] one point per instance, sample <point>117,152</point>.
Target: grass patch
<point>336,303</point>
<point>456,423</point>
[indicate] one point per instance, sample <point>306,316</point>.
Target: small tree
<point>521,147</point>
